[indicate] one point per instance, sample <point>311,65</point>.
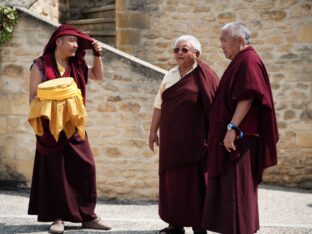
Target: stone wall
<point>281,33</point>
<point>53,10</point>
<point>120,106</point>
<point>119,113</point>
<point>16,140</point>
<point>77,6</point>
<point>24,3</point>
<point>120,110</point>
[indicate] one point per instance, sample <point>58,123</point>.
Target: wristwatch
<point>234,127</point>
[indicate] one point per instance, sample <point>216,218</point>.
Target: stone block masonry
<point>282,35</point>
<point>120,106</point>
<point>119,114</point>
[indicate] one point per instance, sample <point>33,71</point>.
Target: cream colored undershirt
<point>172,77</point>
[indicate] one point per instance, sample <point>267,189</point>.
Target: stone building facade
<point>53,10</point>
<point>119,113</point>
<point>120,107</point>
<point>282,35</point>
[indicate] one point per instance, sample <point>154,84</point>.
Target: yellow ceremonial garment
<point>61,102</point>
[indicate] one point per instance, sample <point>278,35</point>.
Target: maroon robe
<point>183,134</point>
<point>231,204</point>
<point>63,183</point>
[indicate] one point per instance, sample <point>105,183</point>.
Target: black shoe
<point>172,230</point>
<point>199,231</point>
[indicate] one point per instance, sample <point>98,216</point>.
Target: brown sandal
<point>96,223</point>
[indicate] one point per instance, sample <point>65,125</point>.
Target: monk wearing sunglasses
<point>181,113</point>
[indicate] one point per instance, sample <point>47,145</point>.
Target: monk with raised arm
<point>63,185</point>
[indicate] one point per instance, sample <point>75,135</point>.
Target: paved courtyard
<point>281,211</point>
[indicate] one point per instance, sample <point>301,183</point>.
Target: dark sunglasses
<point>184,50</point>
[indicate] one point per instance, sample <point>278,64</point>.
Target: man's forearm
<point>97,68</point>
<point>155,120</point>
<point>241,110</point>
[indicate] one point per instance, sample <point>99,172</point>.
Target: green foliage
<point>8,19</point>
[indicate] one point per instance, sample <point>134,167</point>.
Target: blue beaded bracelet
<point>237,129</point>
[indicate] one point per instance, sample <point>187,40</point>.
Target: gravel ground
<point>282,210</point>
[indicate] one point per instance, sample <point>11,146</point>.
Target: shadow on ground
<point>6,229</point>
<point>10,229</point>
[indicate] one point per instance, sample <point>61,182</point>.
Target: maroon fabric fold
<point>184,118</point>
<point>182,195</point>
<point>77,67</point>
<point>64,180</point>
<point>231,204</point>
<point>245,78</point>
<point>84,40</point>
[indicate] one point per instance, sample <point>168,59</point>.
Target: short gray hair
<point>191,39</point>
<point>238,29</point>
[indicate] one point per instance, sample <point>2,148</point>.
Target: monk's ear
<point>241,40</point>
<point>58,40</point>
<point>197,54</point>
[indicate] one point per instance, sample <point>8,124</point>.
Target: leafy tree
<point>8,19</point>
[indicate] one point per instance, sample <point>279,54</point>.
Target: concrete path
<point>281,211</point>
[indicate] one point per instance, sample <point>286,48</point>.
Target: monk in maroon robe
<point>63,184</point>
<point>242,137</point>
<point>182,107</point>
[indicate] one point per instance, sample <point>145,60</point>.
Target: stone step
<point>104,34</point>
<point>107,40</point>
<point>107,37</point>
<point>99,12</point>
<point>100,24</point>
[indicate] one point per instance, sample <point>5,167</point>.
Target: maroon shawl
<point>184,118</point>
<point>245,78</point>
<point>76,68</point>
